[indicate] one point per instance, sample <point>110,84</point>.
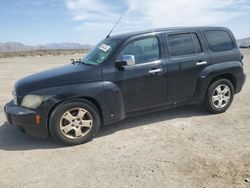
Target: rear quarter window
<point>219,41</point>
<point>183,44</point>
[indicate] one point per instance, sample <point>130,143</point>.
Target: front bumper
<point>25,120</point>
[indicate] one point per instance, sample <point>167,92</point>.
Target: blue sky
<point>88,21</point>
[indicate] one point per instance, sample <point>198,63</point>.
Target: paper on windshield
<point>104,47</point>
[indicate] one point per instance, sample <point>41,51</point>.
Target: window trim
<point>195,47</point>
<point>141,38</point>
<point>186,55</point>
<point>208,46</point>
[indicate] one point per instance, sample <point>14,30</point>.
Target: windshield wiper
<point>80,61</point>
<point>77,61</point>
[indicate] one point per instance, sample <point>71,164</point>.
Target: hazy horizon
<point>44,44</point>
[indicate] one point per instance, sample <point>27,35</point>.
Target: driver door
<point>143,85</point>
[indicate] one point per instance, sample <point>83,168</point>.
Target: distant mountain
<point>15,46</point>
<point>63,46</point>
<point>244,42</point>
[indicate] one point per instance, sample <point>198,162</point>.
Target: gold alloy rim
<point>76,123</point>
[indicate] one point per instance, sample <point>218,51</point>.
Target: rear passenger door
<point>186,58</point>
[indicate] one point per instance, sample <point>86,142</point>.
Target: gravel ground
<point>183,147</point>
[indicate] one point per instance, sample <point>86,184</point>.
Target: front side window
<point>183,44</point>
<point>219,41</point>
<point>144,50</point>
<point>100,52</point>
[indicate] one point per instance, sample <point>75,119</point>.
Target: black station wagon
<point>126,75</point>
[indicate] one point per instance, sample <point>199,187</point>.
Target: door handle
<point>201,63</point>
<point>153,71</point>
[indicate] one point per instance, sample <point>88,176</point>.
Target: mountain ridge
<point>17,46</point>
<point>244,42</point>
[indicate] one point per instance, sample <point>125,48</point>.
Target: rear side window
<point>219,41</point>
<point>183,44</point>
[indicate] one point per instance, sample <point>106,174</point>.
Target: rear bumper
<point>25,120</point>
<point>241,78</point>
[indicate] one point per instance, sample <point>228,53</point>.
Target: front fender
<point>106,94</point>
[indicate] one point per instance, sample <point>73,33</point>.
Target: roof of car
<point>157,30</point>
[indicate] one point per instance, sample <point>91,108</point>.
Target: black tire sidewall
<point>54,123</point>
<point>209,104</point>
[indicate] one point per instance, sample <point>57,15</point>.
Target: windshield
<point>100,52</point>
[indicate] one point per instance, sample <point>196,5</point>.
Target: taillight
<point>242,56</point>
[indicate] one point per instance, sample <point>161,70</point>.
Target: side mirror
<point>129,59</point>
<point>126,60</point>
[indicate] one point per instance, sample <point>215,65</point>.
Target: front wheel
<point>219,97</point>
<point>74,123</point>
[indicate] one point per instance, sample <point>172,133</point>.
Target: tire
<point>74,122</point>
<point>218,100</point>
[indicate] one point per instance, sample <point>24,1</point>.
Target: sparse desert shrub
<point>36,53</point>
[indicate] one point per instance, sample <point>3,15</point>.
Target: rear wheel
<point>75,122</point>
<point>220,95</point>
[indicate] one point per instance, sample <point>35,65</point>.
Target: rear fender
<point>233,69</point>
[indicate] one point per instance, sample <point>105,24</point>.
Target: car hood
<point>68,74</point>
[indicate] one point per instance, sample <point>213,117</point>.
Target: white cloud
<point>146,14</point>
<point>165,13</point>
<point>91,10</point>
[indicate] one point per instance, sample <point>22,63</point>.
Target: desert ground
<point>183,147</point>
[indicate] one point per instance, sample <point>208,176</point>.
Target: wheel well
<point>93,101</point>
<point>230,77</point>
<point>96,104</point>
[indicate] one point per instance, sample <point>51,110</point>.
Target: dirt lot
<point>184,147</point>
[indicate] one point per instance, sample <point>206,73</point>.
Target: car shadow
<point>11,139</point>
<point>149,118</point>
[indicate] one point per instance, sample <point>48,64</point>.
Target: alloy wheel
<point>221,96</point>
<point>76,123</point>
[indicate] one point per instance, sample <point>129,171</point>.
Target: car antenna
<point>114,27</point>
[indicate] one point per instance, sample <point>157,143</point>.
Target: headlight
<point>32,101</point>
